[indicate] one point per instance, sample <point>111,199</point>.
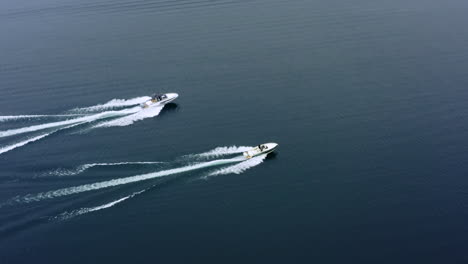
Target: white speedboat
<point>260,149</point>
<point>160,99</point>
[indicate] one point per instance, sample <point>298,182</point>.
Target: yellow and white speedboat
<point>160,99</point>
<point>260,149</point>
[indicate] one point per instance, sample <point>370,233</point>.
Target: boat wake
<point>120,181</point>
<point>222,151</point>
<point>112,104</point>
<point>234,165</point>
<point>84,167</point>
<point>132,118</point>
<point>32,139</point>
<point>21,117</point>
<point>123,117</point>
<point>85,210</point>
<point>241,167</point>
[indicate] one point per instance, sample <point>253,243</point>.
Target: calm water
<point>367,99</point>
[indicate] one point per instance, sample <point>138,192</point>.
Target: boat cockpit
<point>158,97</point>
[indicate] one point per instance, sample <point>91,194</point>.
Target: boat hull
<point>260,150</point>
<point>170,97</point>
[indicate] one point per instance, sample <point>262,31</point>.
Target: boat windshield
<point>159,97</point>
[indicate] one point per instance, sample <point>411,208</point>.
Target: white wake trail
<point>130,119</point>
<point>114,103</point>
<point>121,181</point>
<point>22,143</point>
<point>84,167</point>
<point>221,151</point>
<point>85,210</point>
<point>18,117</point>
<point>85,119</point>
<point>236,169</point>
<point>241,167</point>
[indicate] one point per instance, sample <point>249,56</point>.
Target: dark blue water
<point>367,100</point>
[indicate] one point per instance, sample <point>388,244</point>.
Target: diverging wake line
<point>84,167</point>
<point>85,119</point>
<point>85,210</point>
<point>234,165</point>
<point>236,169</point>
<point>122,181</point>
<point>32,139</point>
<point>20,117</point>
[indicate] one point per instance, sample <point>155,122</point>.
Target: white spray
<point>241,167</point>
<point>130,119</point>
<point>114,103</point>
<point>221,151</point>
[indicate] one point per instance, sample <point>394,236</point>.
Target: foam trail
<point>22,143</point>
<point>84,167</point>
<point>120,181</point>
<point>114,103</point>
<point>241,167</point>
<point>85,119</point>
<point>18,117</point>
<point>220,151</point>
<point>85,210</point>
<point>130,119</point>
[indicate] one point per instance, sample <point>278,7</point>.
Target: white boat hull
<point>260,149</point>
<point>170,97</point>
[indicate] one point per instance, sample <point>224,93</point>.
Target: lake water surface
<point>367,100</point>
